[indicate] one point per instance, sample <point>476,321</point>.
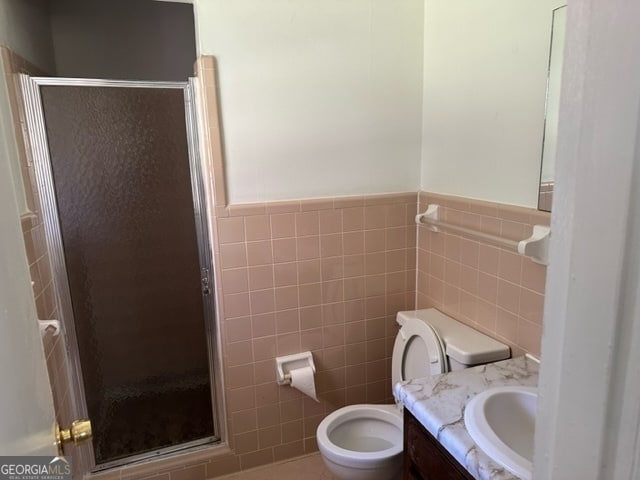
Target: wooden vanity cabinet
<point>425,458</point>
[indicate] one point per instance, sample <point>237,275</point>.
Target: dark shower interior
<point>178,415</point>
<point>122,177</point>
<point>123,189</point>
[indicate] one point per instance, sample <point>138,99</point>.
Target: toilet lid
<point>419,353</point>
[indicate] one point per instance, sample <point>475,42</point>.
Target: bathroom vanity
<point>436,442</point>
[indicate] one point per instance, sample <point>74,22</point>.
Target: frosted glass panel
<point>122,180</point>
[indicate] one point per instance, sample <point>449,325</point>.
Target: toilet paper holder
<point>285,364</point>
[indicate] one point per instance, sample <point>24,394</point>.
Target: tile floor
<point>309,467</point>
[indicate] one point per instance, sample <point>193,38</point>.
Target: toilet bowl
<point>364,442</point>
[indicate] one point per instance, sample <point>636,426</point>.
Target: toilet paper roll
<point>303,379</point>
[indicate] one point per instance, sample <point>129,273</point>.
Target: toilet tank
<point>464,346</point>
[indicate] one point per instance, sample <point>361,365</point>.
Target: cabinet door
<point>425,458</point>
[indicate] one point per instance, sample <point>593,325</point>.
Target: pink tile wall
<point>328,275</point>
<point>321,275</point>
<point>489,288</point>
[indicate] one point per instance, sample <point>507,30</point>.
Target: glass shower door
<point>134,259</point>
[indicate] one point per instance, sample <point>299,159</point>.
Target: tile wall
<point>494,290</point>
<point>325,275</point>
<point>36,249</point>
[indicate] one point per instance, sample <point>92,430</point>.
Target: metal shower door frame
<point>38,143</point>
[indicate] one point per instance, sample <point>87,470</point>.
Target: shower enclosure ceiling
<point>130,254</point>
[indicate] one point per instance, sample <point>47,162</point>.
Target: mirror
<point>545,196</point>
<point>485,81</point>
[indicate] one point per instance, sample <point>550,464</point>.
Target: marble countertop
<point>438,403</point>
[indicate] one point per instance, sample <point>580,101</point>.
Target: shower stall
<point>121,191</point>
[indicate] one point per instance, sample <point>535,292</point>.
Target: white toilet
<point>364,442</point>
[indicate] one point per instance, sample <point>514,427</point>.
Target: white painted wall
<point>318,98</point>
<point>485,73</point>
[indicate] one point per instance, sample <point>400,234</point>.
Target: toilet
<point>364,442</point>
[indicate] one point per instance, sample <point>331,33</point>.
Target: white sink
<point>501,421</point>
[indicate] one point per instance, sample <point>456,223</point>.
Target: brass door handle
<point>79,432</point>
